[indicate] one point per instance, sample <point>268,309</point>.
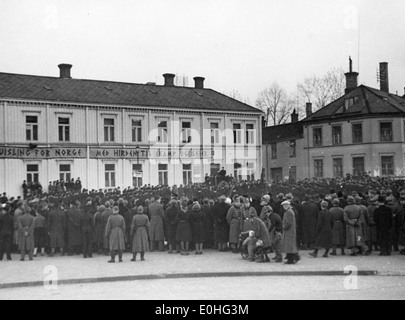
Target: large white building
<point>114,134</point>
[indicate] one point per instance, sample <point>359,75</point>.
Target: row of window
<point>292,149</point>
<point>386,134</point>
<point>137,131</point>
<point>65,173</point>
<point>387,167</point>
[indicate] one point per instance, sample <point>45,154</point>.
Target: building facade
<point>363,132</point>
<point>121,135</point>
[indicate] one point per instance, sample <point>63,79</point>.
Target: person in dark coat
<point>373,240</point>
<point>115,233</point>
<point>338,227</point>
<point>6,233</point>
<point>99,230</point>
<point>208,223</point>
<point>184,233</point>
<point>221,226</point>
<point>197,225</point>
<point>140,234</point>
<point>324,231</point>
<point>234,217</point>
<point>26,225</point>
<point>73,228</point>
<point>309,218</point>
<point>383,219</point>
<point>397,221</point>
<point>57,226</point>
<point>126,214</point>
<point>87,230</point>
<point>40,234</point>
<point>156,231</point>
<point>170,219</point>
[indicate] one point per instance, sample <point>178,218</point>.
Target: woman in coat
<point>338,227</point>
<point>324,231</point>
<point>171,225</point>
<point>139,234</point>
<point>26,225</point>
<point>115,232</point>
<point>234,216</point>
<point>183,234</point>
<point>197,225</point>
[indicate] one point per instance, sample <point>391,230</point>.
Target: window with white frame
<point>293,148</point>
<point>110,176</point>
<point>250,134</point>
<point>109,130</point>
<point>136,130</point>
<point>237,133</point>
<point>250,168</point>
<point>387,165</point>
<point>215,133</point>
<point>318,140</point>
<point>318,164</point>
<point>337,135</point>
<point>64,129</point>
<point>137,175</point>
<point>162,132</point>
<point>163,173</point>
<point>186,132</point>
<point>338,168</point>
<point>357,130</point>
<point>32,173</point>
<point>238,171</point>
<point>187,174</point>
<point>65,173</point>
<point>31,128</point>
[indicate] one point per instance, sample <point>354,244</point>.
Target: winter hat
<point>196,207</point>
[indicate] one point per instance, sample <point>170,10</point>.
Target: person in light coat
<point>26,242</point>
<point>115,232</point>
<point>156,231</point>
<point>139,234</point>
<point>290,234</point>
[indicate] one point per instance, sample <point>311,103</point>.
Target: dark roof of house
<point>367,101</point>
<point>284,132</point>
<point>39,88</point>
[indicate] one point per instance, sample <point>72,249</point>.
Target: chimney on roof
<point>169,79</point>
<point>199,82</point>
<point>308,109</point>
<point>294,117</point>
<point>384,79</point>
<point>351,78</point>
<point>65,71</point>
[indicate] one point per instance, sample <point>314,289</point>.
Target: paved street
<point>251,288</point>
<point>92,278</point>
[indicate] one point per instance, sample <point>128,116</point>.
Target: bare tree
<point>276,103</point>
<point>235,94</point>
<point>323,90</point>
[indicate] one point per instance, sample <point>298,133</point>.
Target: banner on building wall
<point>111,154</point>
<point>186,153</point>
<point>42,153</point>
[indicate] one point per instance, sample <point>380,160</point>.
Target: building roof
<point>284,132</point>
<point>366,102</point>
<point>51,89</point>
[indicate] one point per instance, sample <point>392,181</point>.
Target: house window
<point>186,132</point>
<point>214,133</point>
<point>274,150</point>
<point>276,174</point>
<point>214,169</point>
<point>250,172</point>
<point>187,174</point>
<point>65,172</point>
<point>31,128</point>
<point>318,137</point>
<point>136,130</point>
<point>162,132</point>
<point>338,168</point>
<point>386,132</point>
<point>337,135</point>
<point>387,166</point>
<point>350,102</point>
<point>163,175</point>
<point>237,133</point>
<point>318,168</point>
<point>250,134</point>
<point>293,149</point>
<point>109,130</point>
<point>110,175</point>
<point>64,129</point>
<point>357,133</point>
<point>237,171</point>
<point>32,173</point>
<point>358,167</point>
<point>137,175</point>
<point>293,173</point>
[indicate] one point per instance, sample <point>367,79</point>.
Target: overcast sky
<point>242,45</point>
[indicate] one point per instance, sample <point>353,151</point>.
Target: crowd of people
<point>361,215</point>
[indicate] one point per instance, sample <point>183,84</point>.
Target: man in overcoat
<point>6,233</point>
<point>290,234</point>
<point>383,219</point>
<point>26,225</point>
<point>156,230</point>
